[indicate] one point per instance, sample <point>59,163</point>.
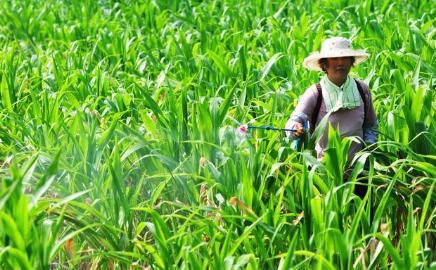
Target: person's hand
<point>299,129</point>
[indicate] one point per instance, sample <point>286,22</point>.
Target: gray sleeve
<point>370,128</point>
<point>370,134</point>
<point>306,104</point>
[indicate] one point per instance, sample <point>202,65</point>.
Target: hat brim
<point>311,62</point>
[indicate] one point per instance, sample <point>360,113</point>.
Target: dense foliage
<point>119,146</point>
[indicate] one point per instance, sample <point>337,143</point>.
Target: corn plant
<point>120,145</point>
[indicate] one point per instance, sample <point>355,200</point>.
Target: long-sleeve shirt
<point>349,121</point>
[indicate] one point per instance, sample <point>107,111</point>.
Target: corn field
<point>120,148</point>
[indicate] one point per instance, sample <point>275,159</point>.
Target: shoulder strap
<point>362,95</point>
<point>316,109</point>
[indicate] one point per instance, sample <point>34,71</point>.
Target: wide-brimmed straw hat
<point>334,47</point>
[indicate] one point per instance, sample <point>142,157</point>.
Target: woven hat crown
<point>335,43</point>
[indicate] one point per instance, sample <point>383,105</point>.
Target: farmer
<point>348,100</point>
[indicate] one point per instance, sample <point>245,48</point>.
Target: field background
<point>119,146</point>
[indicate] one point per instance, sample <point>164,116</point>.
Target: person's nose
<point>340,61</point>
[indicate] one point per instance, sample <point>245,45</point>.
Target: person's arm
<point>303,112</point>
<point>370,128</point>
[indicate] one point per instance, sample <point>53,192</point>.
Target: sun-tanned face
<point>337,69</point>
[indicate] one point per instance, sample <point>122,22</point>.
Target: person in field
<point>347,99</point>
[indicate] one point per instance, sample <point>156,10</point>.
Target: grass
<point>119,149</point>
